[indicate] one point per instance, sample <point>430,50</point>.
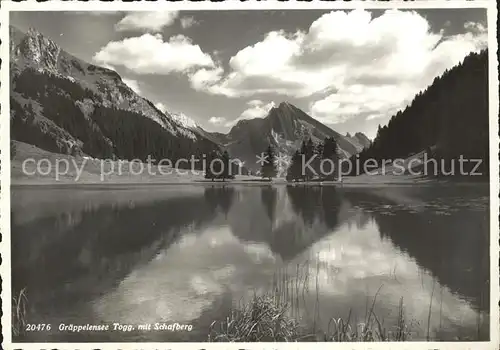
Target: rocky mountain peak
<point>34,33</point>
<point>287,108</point>
<point>285,127</point>
<point>38,49</point>
<point>363,139</point>
<point>285,111</point>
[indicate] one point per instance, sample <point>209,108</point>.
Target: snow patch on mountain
<point>183,120</point>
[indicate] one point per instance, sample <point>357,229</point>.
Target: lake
<point>189,254</point>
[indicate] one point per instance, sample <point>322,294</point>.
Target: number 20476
<point>37,327</point>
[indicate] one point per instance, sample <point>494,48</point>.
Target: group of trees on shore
<point>269,168</point>
<point>311,160</point>
<point>314,161</point>
<point>219,166</point>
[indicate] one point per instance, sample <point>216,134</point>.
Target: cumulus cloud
<point>357,57</point>
<point>147,21</point>
<point>217,120</point>
<point>255,103</point>
<point>133,84</point>
<point>369,101</point>
<point>150,54</point>
<point>203,79</point>
<point>475,26</point>
<point>188,22</point>
<point>256,109</point>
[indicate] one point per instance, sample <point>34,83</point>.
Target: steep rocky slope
<point>63,104</point>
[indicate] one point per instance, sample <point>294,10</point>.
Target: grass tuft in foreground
<point>19,302</point>
<point>261,320</point>
<point>266,319</point>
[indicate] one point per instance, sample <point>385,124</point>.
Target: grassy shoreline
<point>87,171</point>
<point>266,319</point>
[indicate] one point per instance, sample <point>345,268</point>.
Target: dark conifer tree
<point>226,171</point>
<point>295,167</point>
<point>330,158</point>
<point>268,168</point>
<point>317,153</point>
<point>210,166</point>
<point>308,155</point>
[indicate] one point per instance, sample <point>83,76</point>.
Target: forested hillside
<point>62,104</point>
<point>449,119</point>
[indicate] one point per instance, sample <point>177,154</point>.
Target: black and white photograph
<point>284,174</point>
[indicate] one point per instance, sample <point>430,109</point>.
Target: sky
<point>352,70</point>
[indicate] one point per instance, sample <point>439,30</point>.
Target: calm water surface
<point>189,254</point>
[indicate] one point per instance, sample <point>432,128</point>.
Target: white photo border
<point>5,268</point>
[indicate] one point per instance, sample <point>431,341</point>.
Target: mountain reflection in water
<point>188,254</point>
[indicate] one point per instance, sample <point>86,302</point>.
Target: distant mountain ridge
<point>361,139</point>
<point>285,127</point>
